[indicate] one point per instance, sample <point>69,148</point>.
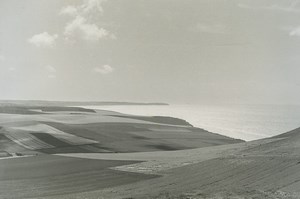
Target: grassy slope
<point>268,168</point>
<point>46,175</point>
<point>113,132</point>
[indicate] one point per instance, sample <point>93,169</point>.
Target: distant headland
<point>73,103</point>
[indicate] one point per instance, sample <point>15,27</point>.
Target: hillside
<point>267,169</point>
<point>31,137</point>
<point>78,153</point>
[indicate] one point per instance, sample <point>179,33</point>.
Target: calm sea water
<point>248,122</point>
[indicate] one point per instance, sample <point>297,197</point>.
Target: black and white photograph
<point>149,99</point>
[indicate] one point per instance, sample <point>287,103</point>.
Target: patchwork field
<point>32,137</point>
<point>65,152</point>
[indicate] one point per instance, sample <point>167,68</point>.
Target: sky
<point>174,51</point>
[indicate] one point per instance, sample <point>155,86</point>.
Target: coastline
<point>247,122</point>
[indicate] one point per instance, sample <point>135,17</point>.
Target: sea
<point>247,122</point>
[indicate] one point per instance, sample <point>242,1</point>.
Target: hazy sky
<point>176,51</point>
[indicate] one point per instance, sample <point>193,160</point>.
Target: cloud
<point>81,24</point>
<point>69,10</point>
<point>213,29</point>
<point>43,40</point>
<point>105,69</point>
<point>51,71</point>
<point>87,31</point>
<point>92,5</point>
<point>86,8</point>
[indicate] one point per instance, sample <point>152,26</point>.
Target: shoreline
<point>240,123</point>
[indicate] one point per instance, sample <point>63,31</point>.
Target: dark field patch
<point>46,175</point>
<point>64,149</point>
<point>133,137</point>
<point>162,147</point>
<point>157,119</point>
<point>61,108</point>
<point>102,132</point>
<point>17,110</point>
<point>88,148</point>
<point>49,139</point>
<point>29,110</point>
